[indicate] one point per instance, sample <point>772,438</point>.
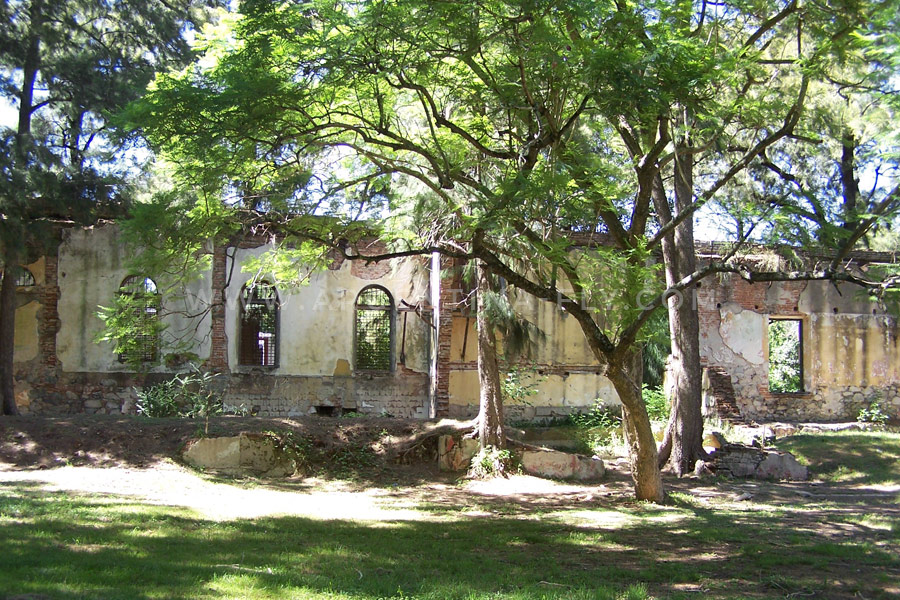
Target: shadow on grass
<point>848,458</point>
<point>63,546</point>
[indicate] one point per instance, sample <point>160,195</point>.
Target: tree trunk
<point>13,236</point>
<point>682,443</point>
<point>490,409</point>
<point>626,375</point>
<point>7,334</point>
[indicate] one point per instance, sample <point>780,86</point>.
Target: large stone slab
<point>781,465</point>
<point>560,465</point>
<point>247,454</point>
<point>738,460</point>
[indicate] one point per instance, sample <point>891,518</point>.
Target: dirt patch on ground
<point>109,441</point>
<point>360,453</point>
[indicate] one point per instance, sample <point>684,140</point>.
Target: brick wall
<point>441,377</point>
<point>48,318</point>
<point>218,350</point>
<point>400,395</point>
<point>374,270</point>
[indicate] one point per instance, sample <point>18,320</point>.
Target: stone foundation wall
<point>829,405</point>
<point>513,413</point>
<point>54,393</point>
<point>403,395</point>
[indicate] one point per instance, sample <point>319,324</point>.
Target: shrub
<point>657,404</point>
<point>187,395</point>
<point>491,462</point>
<point>875,413</point>
<point>158,401</point>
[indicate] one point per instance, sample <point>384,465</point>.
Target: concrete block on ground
<point>560,465</point>
<point>781,465</point>
<point>246,454</point>
<point>456,452</point>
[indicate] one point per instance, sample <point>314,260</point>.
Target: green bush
<point>599,415</point>
<point>657,404</point>
<point>158,401</point>
<point>187,395</point>
<point>874,413</point>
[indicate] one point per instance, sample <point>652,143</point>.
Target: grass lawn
<point>701,545</point>
<point>849,457</point>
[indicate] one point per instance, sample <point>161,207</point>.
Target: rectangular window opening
<point>785,356</point>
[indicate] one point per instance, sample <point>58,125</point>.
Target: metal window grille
<point>259,326</point>
<point>24,278</point>
<point>144,304</point>
<point>374,330</point>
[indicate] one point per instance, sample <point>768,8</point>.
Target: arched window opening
<point>374,329</point>
<point>259,325</point>
<point>24,278</point>
<point>139,303</point>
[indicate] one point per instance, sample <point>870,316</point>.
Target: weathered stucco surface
<point>316,338</point>
<point>317,320</point>
<point>743,332</point>
<point>559,366</point>
<point>851,354</point>
<point>92,267</point>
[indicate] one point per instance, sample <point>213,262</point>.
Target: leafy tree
<point>66,66</point>
<point>784,357</point>
<point>501,132</point>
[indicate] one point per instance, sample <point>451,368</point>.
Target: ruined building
<point>397,338</point>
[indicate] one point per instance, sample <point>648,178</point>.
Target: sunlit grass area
<point>704,543</point>
<point>850,457</point>
<point>65,546</point>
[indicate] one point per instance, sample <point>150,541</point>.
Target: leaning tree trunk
<point>7,335</point>
<point>490,406</point>
<point>626,375</point>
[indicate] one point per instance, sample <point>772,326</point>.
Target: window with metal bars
<point>374,329</point>
<point>259,326</point>
<point>139,296</point>
<point>24,278</point>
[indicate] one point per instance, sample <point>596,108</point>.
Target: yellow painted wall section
<point>463,343</point>
<point>27,338</point>
<point>575,389</point>
<point>563,342</point>
<point>26,344</point>
<point>853,350</point>
<point>38,268</point>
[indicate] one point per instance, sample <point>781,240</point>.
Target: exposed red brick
<point>218,351</point>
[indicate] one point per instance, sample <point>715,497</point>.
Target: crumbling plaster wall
<point>92,266</point>
<point>851,354</point>
<point>317,340</point>
<point>317,320</point>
